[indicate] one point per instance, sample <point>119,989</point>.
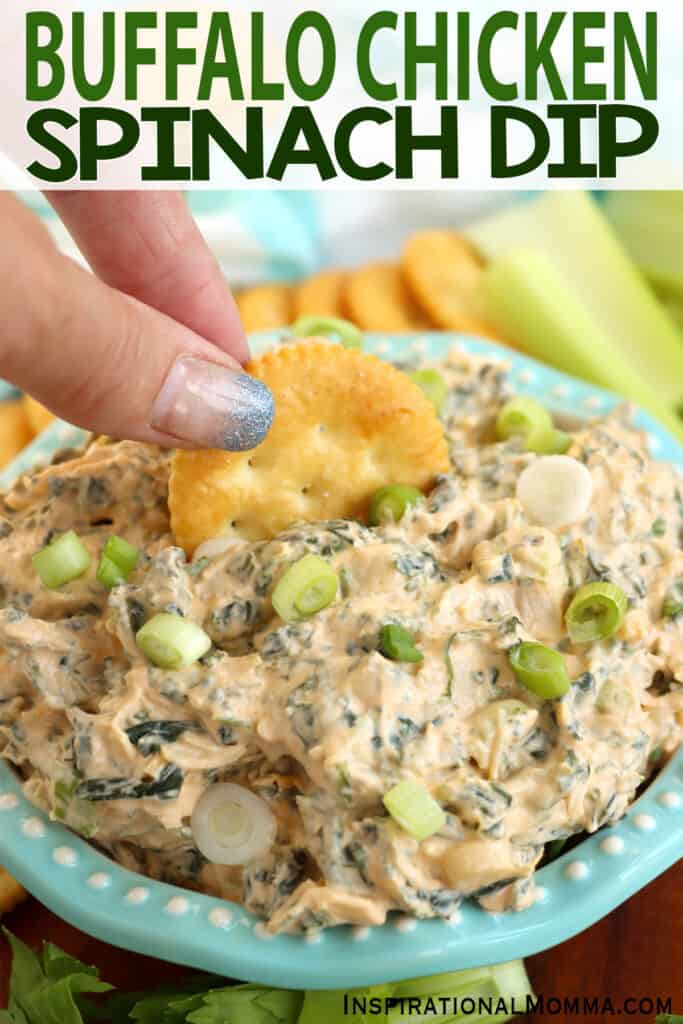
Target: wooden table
<point>636,951</point>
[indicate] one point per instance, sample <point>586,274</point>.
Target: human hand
<point>151,348</point>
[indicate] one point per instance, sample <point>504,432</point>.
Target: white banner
<point>427,95</point>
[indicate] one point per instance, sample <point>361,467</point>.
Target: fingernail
<point>213,406</point>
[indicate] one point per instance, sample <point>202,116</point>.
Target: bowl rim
<point>90,891</point>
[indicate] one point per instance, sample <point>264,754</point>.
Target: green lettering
<point>342,144</point>
<point>572,115</point>
<point>539,55</point>
<point>611,149</point>
<point>92,151</point>
<point>585,55</point>
<point>93,92</point>
<point>206,128</point>
<point>464,49</point>
<point>446,142</point>
<point>177,55</point>
<point>436,54</point>
<point>166,118</point>
<point>644,64</point>
<point>494,87</point>
<point>220,34</point>
<point>37,127</point>
<point>43,53</point>
<point>260,89</point>
<point>311,91</point>
<point>500,164</point>
<point>137,56</point>
<point>382,92</point>
<point>301,122</point>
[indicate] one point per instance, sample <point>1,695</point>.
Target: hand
<point>151,348</point>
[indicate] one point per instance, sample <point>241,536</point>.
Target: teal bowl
<point>107,901</point>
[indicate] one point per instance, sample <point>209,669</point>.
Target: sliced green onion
<point>109,574</point>
<point>307,587</point>
<point>595,612</point>
<point>171,641</point>
<point>659,527</point>
<point>541,669</point>
<point>433,385</point>
<point>119,558</point>
<point>232,825</point>
<point>554,848</point>
<point>523,416</point>
<point>329,327</point>
<point>120,551</point>
<point>614,698</point>
<point>390,503</point>
<point>673,609</point>
<point>414,809</point>
<point>547,441</point>
<point>398,644</point>
<point>65,559</point>
<point>555,490</point>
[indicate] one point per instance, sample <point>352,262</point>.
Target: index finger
<point>148,245</point>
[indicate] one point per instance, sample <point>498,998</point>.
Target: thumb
<point>106,362</point>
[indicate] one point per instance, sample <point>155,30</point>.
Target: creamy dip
<point>311,716</point>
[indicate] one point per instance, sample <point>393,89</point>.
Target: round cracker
<point>11,893</point>
<point>265,307</point>
<point>38,416</point>
<point>345,425</point>
<point>444,270</point>
<point>321,295</point>
<point>15,429</point>
<point>378,299</point>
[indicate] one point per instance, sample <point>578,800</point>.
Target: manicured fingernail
<point>213,406</point>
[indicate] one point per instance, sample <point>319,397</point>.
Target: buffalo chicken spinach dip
<point>481,683</point>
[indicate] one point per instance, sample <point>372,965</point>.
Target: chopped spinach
<point>450,675</point>
<point>148,736</point>
<point>673,603</point>
<point>539,744</point>
<point>493,887</point>
<point>554,848</point>
<point>356,855</point>
<point>505,572</point>
<point>344,785</point>
<point>98,492</point>
<point>600,573</point>
<point>136,614</point>
<point>444,902</point>
<point>301,711</point>
<point>226,734</point>
<point>405,731</point>
<point>419,563</point>
<point>582,686</point>
<point>166,786</point>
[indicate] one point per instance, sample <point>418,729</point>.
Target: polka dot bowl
<point>84,887</point>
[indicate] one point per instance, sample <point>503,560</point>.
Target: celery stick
<point>675,308</point>
<point>502,988</point>
<point>650,227</point>
<point>528,299</point>
<point>594,281</point>
<point>500,985</point>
